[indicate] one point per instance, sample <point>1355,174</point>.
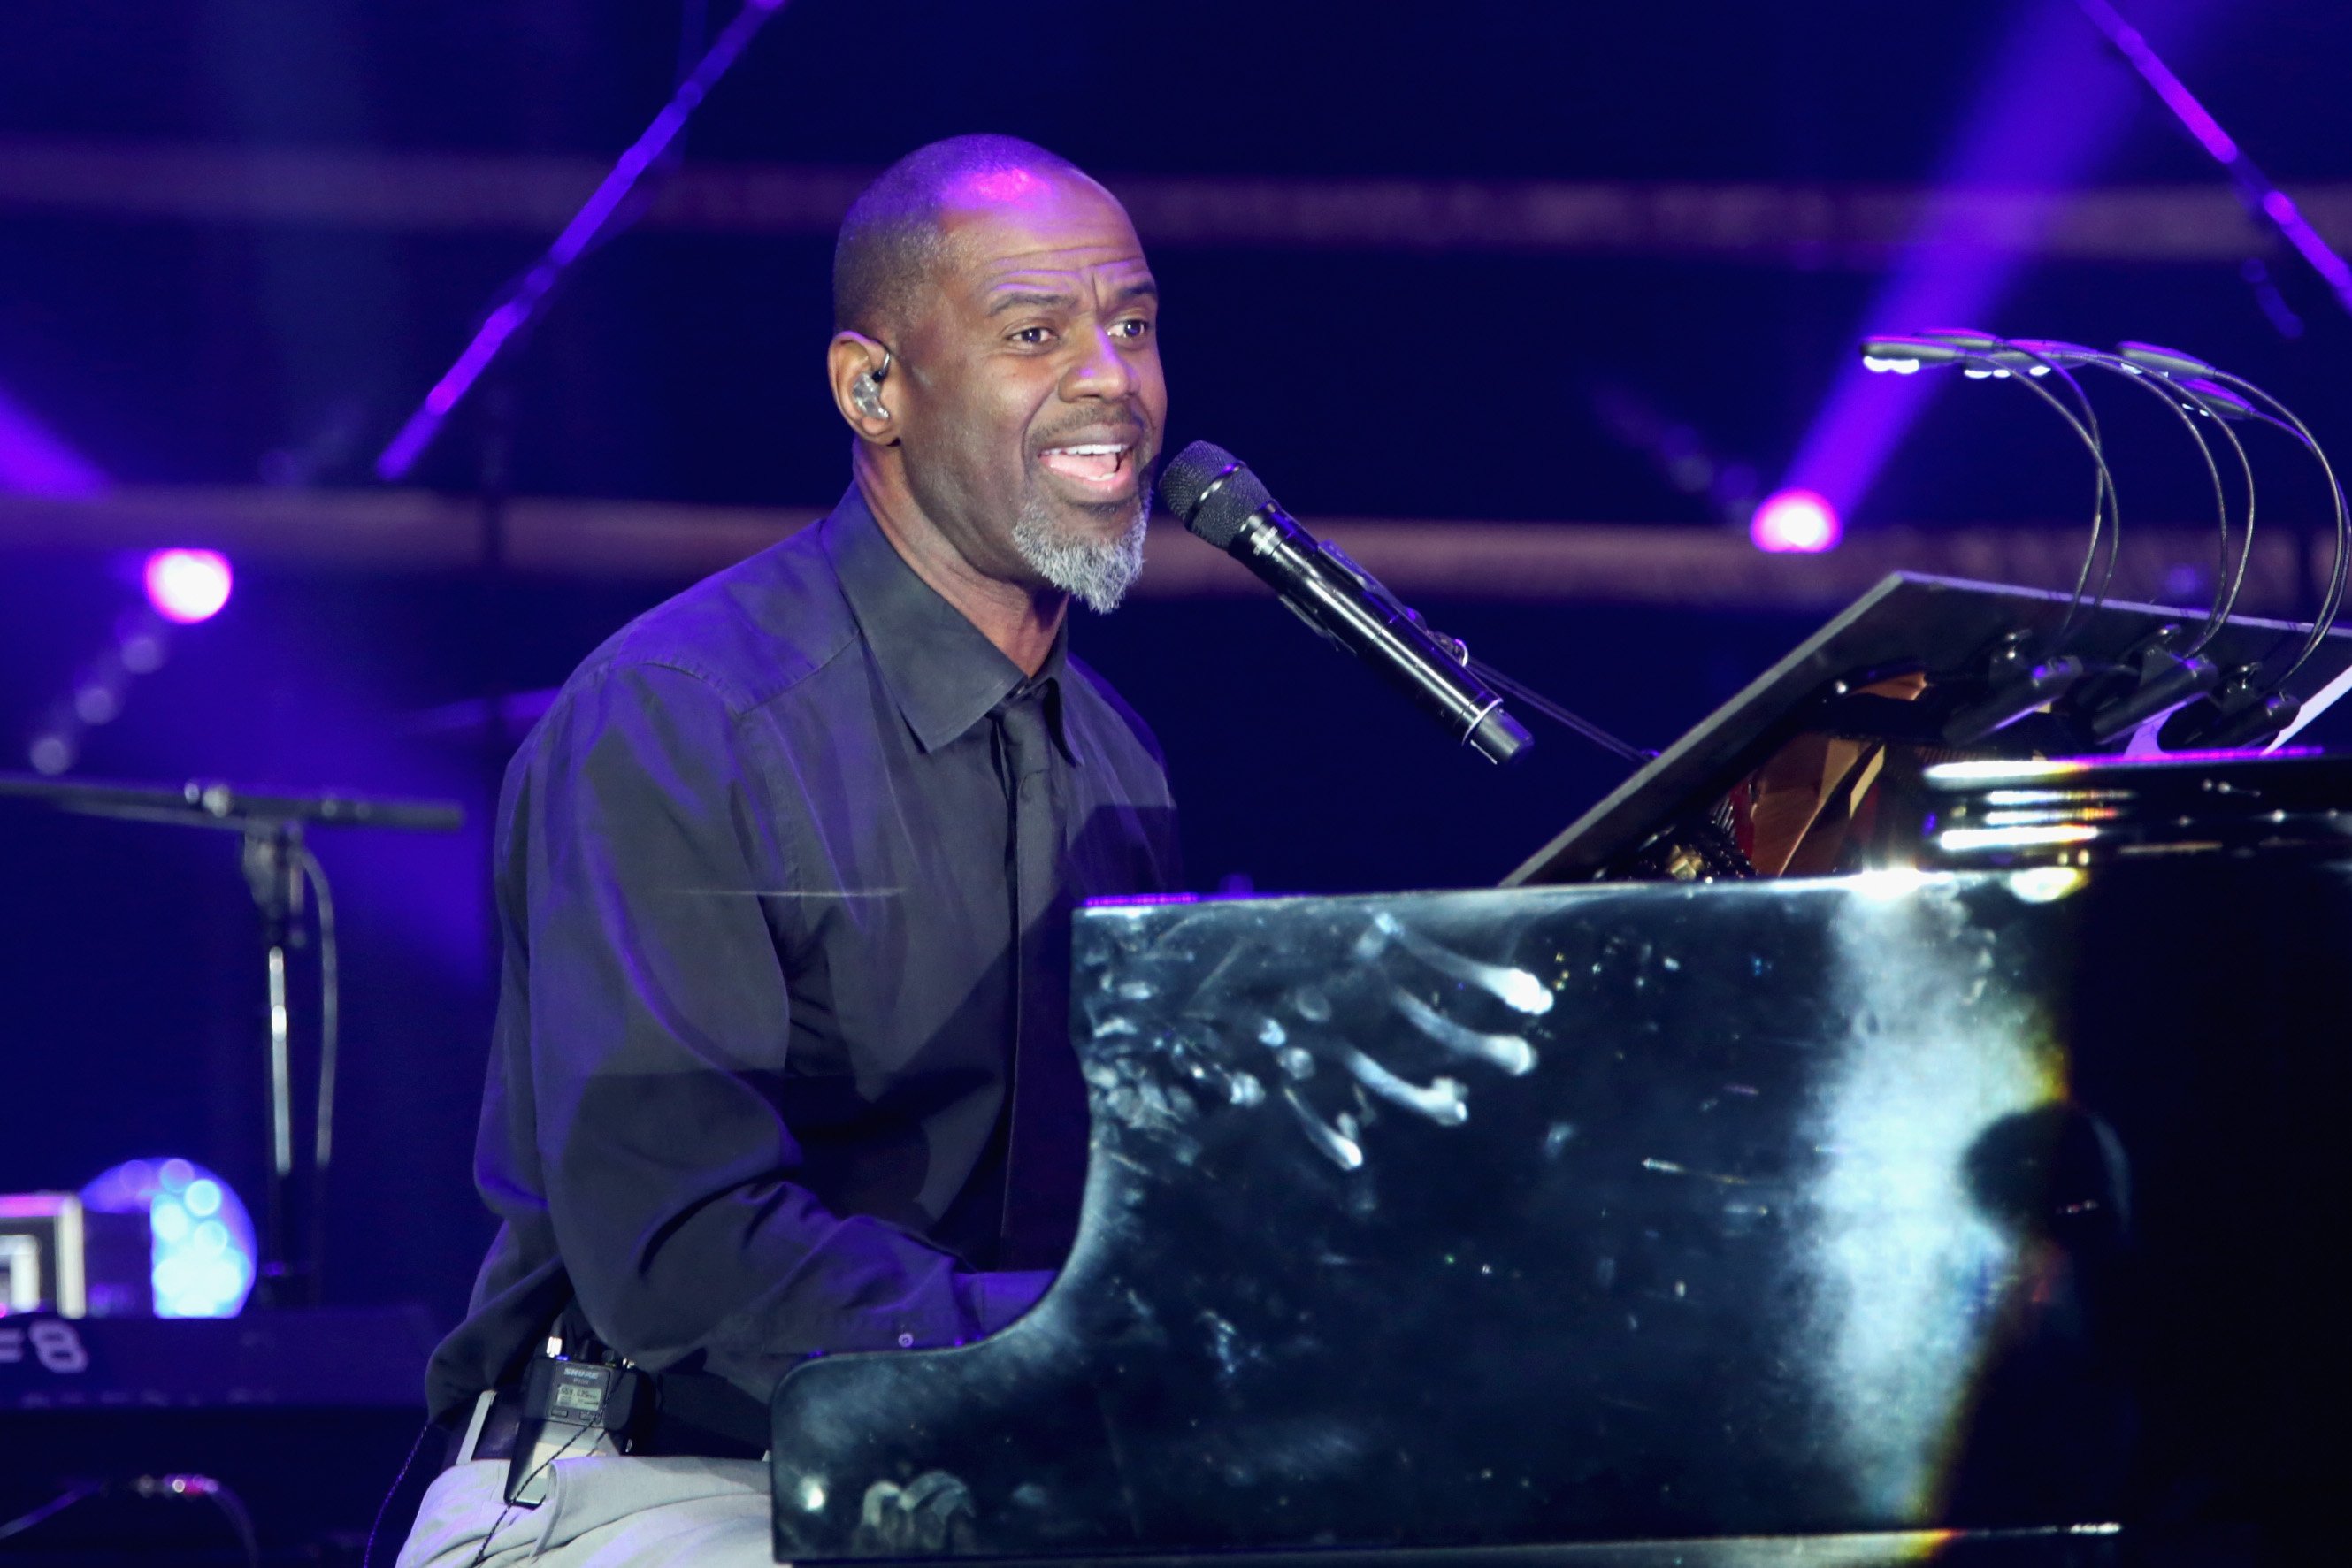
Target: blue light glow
<point>203,1236</point>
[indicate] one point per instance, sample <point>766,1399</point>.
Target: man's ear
<point>856,366</point>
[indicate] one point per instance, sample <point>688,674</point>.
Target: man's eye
<point>1134,329</point>
<point>1032,336</point>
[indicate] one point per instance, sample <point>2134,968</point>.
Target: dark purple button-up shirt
<point>749,1087</point>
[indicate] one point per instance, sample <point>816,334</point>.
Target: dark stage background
<point>220,343</point>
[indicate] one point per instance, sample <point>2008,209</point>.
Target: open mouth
<point>1102,466</point>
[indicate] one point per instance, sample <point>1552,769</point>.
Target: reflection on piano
<point>1856,1219</point>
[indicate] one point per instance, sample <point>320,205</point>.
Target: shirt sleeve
<point>659,1019</point>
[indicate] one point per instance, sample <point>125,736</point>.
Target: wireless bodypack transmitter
<point>566,1401</point>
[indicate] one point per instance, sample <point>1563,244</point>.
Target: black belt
<point>696,1413</point>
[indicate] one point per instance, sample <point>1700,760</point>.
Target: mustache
<point>1129,428</point>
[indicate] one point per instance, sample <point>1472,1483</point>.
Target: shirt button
<point>905,1341</point>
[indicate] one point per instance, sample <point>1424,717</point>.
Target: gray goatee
<point>1097,572</point>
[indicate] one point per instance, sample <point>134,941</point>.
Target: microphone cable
<point>2038,364</point>
<point>2187,387</point>
<point>1552,710</point>
<point>1892,352</point>
<point>2174,367</point>
<point>2180,407</point>
<point>2005,357</point>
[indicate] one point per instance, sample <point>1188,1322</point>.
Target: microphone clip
<point>2016,686</point>
<point>2239,712</point>
<point>2151,682</point>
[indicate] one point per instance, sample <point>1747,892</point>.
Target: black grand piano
<point>1973,1203</point>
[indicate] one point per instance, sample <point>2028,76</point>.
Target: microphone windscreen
<point>1211,492</point>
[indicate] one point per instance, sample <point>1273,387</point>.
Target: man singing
<point>782,1062</point>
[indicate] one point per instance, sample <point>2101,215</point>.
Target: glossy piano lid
<point>2079,810</point>
<point>1496,1220</point>
<point>1910,621</point>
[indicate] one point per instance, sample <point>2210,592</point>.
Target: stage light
<point>187,585</point>
<point>35,460</point>
<point>1952,267</point>
<point>205,1252</point>
<point>1795,520</point>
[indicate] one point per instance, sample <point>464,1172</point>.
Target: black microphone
<point>1217,497</point>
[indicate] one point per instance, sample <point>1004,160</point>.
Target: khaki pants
<point>603,1511</point>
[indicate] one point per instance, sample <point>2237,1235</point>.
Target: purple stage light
<point>2253,186</point>
<point>1795,521</point>
<point>35,461</point>
<point>188,585</point>
<point>587,226</point>
<point>2132,45</point>
<point>2047,116</point>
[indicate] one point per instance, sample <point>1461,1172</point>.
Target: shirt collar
<point>944,674</point>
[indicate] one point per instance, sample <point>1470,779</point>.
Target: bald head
<point>894,232</point>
